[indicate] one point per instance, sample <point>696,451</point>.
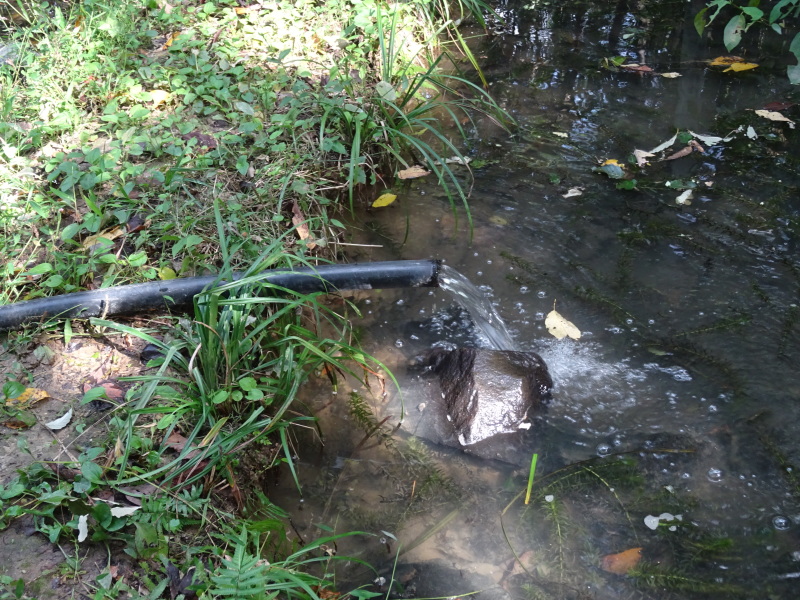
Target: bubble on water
<point>542,294</point>
<point>488,262</point>
<point>651,322</point>
<point>399,343</point>
<point>714,475</point>
<point>539,316</point>
<point>523,289</point>
<point>549,498</point>
<point>781,523</point>
<point>629,321</point>
<point>603,449</point>
<point>479,273</point>
<point>400,302</point>
<point>796,555</point>
<point>368,301</point>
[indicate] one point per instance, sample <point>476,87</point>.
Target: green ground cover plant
<point>147,140</point>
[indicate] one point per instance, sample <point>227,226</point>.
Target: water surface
<point>678,407</point>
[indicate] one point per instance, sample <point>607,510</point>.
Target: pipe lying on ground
<point>160,295</point>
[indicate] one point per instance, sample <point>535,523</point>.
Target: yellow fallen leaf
<point>413,172</point>
<point>740,66</point>
<point>622,562</point>
<point>559,327</point>
<point>27,398</point>
<point>500,221</point>
<point>612,161</point>
<point>384,200</point>
<point>724,61</point>
<point>159,97</point>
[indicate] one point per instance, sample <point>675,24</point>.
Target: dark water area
<point>674,422</point>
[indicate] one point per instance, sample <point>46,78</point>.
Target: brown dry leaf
<point>622,562</point>
<point>681,153</point>
<point>110,234</point>
<point>27,399</point>
<point>724,61</point>
<point>300,224</point>
<point>775,116</point>
<point>113,391</point>
<point>413,172</point>
<point>175,441</point>
<point>637,68</point>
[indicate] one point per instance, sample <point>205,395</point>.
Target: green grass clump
<point>120,124</point>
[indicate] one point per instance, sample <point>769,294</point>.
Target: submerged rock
<point>482,400</point>
<point>487,392</point>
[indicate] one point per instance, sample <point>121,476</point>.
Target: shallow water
<point>681,397</point>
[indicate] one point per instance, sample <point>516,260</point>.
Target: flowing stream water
<point>668,456</point>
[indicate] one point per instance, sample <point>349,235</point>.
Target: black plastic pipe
<point>160,295</point>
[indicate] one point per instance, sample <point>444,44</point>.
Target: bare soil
<point>58,571</point>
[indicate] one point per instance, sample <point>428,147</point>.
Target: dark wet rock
<point>482,401</point>
<point>151,352</point>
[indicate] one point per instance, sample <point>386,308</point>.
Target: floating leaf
<point>628,184</point>
<point>641,157</point>
<point>684,199</point>
<point>751,133</point>
<point>497,220</point>
<point>665,145</point>
<point>572,192</point>
<point>561,134</point>
<point>612,168</point>
<point>685,151</point>
<point>724,61</point>
<point>559,327</point>
<point>622,562</point>
<point>384,200</point>
<point>671,75</point>
<point>775,116</point>
<point>413,172</point>
<point>61,422</point>
<point>637,68</point>
<point>740,66</point>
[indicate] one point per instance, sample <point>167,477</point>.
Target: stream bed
<point>668,455</point>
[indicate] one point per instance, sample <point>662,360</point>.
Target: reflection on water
<point>681,398</point>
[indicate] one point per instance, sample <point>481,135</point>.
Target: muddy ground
<point>59,571</point>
